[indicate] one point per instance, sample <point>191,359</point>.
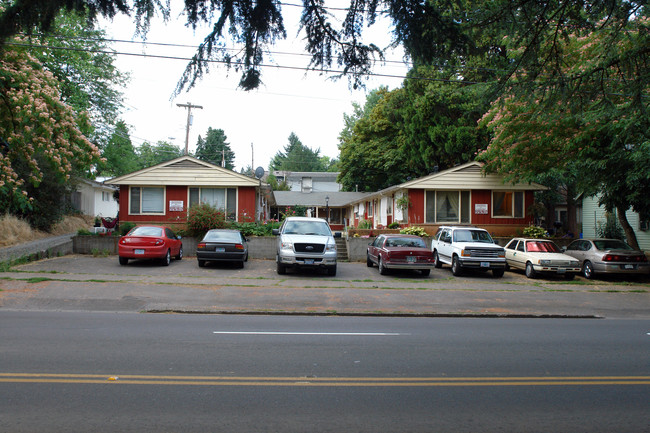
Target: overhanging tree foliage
<point>591,114</point>
<point>441,32</point>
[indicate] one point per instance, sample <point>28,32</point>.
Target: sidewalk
<point>87,283</point>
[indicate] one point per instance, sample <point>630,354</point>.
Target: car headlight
<point>545,262</point>
<point>574,264</point>
<point>286,245</point>
<point>330,248</point>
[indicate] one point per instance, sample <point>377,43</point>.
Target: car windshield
<point>217,236</point>
<point>319,228</point>
<point>541,247</point>
<point>146,231</point>
<point>612,244</point>
<point>405,242</point>
<point>472,236</point>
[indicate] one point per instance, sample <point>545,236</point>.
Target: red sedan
<point>393,251</point>
<point>150,242</point>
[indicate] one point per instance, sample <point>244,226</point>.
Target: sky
<point>257,123</point>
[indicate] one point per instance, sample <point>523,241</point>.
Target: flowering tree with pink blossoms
<point>40,136</point>
<point>590,117</point>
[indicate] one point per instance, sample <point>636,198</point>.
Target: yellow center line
<point>322,381</point>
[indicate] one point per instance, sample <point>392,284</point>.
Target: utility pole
<point>189,107</point>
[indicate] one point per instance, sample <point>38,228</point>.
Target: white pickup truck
<point>468,248</point>
<point>305,243</point>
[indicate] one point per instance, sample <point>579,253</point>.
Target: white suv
<point>468,248</point>
<point>305,242</point>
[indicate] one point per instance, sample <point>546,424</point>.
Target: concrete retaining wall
<point>42,248</point>
<point>258,247</point>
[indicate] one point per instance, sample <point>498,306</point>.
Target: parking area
<point>266,270</point>
<point>87,283</point>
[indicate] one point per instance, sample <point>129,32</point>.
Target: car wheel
<point>124,261</point>
<point>331,270</point>
<point>436,260</point>
<point>240,265</point>
<point>588,270</point>
<point>382,268</point>
<point>246,258</point>
<point>281,269</point>
<point>426,272</point>
<point>530,272</point>
<point>167,259</point>
<point>498,273</point>
<point>369,262</point>
<point>455,266</point>
<point>569,276</point>
<point>201,263</point>
<point>180,254</point>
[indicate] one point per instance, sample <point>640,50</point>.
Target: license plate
<point>411,259</point>
<point>485,264</point>
<point>309,261</point>
<point>629,267</point>
<point>561,271</point>
<point>220,249</point>
<point>138,251</point>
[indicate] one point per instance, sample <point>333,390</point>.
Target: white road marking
<point>362,334</point>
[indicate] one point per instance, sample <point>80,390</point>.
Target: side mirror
<point>275,232</point>
<point>178,237</point>
<point>564,249</point>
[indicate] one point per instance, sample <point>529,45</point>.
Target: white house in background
<point>593,215</point>
<point>302,181</point>
<point>94,198</point>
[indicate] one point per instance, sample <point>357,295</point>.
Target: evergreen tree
<point>215,150</point>
<point>297,157</point>
<point>119,153</point>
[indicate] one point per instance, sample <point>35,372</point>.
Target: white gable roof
<point>185,170</point>
<point>467,176</point>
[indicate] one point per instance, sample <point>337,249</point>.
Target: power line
<point>187,59</point>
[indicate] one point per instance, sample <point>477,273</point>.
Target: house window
<point>146,200</point>
<point>447,207</point>
<point>389,205</point>
<point>508,204</point>
<point>370,209</point>
<point>220,198</point>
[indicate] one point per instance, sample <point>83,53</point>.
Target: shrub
<point>126,227</point>
<point>255,228</point>
<point>203,217</point>
<point>610,229</point>
<point>534,232</point>
<point>364,224</point>
<point>414,230</point>
<point>393,225</point>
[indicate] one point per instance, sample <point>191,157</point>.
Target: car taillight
<point>239,246</point>
<point>159,242</point>
<point>617,258</point>
<point>201,245</point>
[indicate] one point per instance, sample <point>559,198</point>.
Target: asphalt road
<point>125,372</point>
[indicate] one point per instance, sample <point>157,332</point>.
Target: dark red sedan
<point>150,242</point>
<point>394,251</point>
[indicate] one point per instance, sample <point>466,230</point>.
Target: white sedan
<point>537,256</point>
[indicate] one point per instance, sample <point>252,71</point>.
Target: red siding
<point>246,204</point>
<point>416,210</point>
<point>246,201</point>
